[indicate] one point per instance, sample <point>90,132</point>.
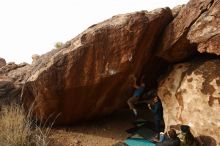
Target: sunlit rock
<point>190,95</point>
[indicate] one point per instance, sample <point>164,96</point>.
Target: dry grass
<point>17,128</point>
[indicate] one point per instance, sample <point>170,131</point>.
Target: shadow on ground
<point>103,131</point>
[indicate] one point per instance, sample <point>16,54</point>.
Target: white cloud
<point>33,26</point>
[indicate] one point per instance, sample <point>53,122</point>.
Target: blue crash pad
<point>138,142</point>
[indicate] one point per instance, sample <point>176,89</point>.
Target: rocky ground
<point>100,132</point>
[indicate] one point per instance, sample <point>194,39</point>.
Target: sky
<point>30,27</point>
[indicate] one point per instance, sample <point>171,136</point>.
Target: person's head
<point>185,128</point>
<point>172,133</point>
<point>189,138</point>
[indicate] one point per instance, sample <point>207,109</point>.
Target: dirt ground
<point>105,131</point>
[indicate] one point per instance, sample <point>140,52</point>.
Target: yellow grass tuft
<point>17,128</point>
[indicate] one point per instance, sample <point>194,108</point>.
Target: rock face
<point>206,30</point>
<point>176,10</point>
<point>190,95</point>
<point>195,25</point>
<point>2,62</point>
<point>35,57</point>
<point>12,78</point>
<point>88,76</point>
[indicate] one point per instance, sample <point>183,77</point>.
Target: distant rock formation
<point>2,62</point>
<point>12,79</point>
<point>190,94</point>
<point>89,78</point>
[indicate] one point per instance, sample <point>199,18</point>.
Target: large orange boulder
<point>190,95</point>
<point>88,76</point>
<point>197,24</point>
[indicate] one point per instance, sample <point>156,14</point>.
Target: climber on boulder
<point>136,95</point>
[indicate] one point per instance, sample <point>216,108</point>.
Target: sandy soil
<point>100,132</point>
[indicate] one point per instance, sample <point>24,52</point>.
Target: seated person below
<point>186,137</point>
<point>170,139</point>
<point>137,93</point>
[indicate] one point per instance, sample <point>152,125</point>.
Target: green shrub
<point>58,45</point>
